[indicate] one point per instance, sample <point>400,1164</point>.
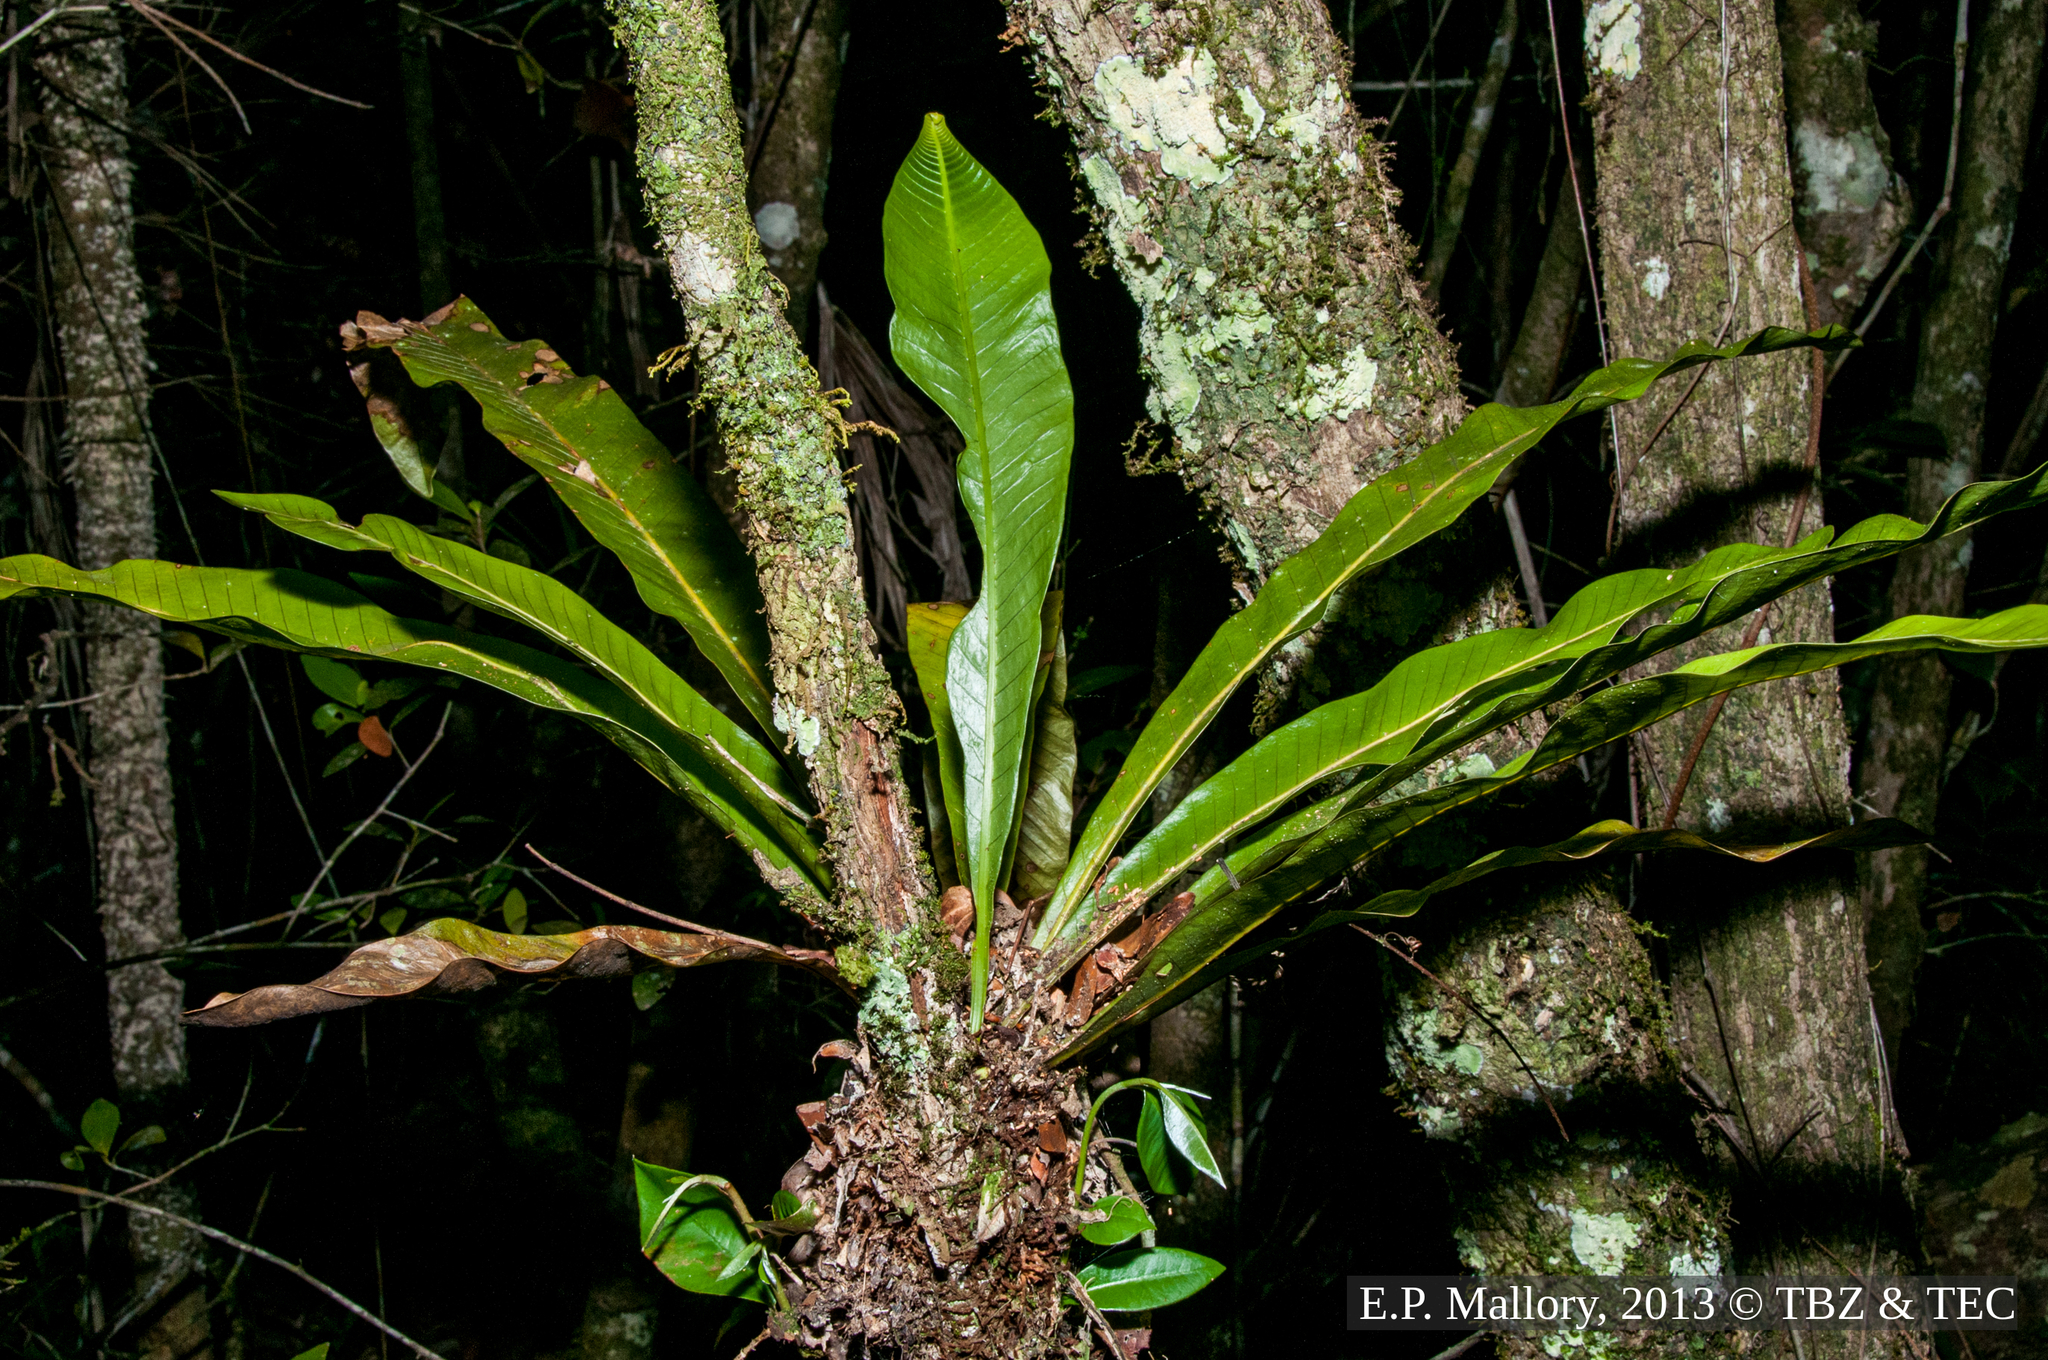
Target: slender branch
<point>153,15</point>
<point>136,1207</point>
<point>1102,1326</point>
<point>1948,188</point>
<point>833,698</point>
<point>1427,48</point>
<point>630,905</point>
<point>364,825</point>
<point>1478,126</point>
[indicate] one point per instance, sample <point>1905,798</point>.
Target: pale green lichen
<point>1602,1241</point>
<point>1173,115</point>
<point>1176,391</point>
<point>1685,1265</point>
<point>1614,37</point>
<point>1307,128</point>
<point>1656,277</point>
<point>1254,111</point>
<point>796,724</point>
<point>1339,392</point>
<point>1843,172</point>
<point>886,1016</point>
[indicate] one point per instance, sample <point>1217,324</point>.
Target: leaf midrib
<point>611,495</point>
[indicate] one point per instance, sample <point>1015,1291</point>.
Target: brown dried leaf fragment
<point>370,732</point>
<point>450,955</point>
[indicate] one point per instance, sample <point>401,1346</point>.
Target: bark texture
<point>1245,207</point>
<point>1982,1211</point>
<point>1770,1010</point>
<point>1901,769</point>
<point>1852,208</point>
<point>794,139</point>
<point>1555,989</point>
<point>429,222</point>
<point>833,699</point>
<point>97,297</point>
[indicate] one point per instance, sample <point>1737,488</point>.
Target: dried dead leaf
<point>450,955</point>
<point>956,910</point>
<point>370,732</point>
<point>836,1048</point>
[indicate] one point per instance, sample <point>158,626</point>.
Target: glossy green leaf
<point>1146,1277</point>
<point>1046,821</point>
<point>650,988</point>
<point>929,630</point>
<point>614,476</point>
<point>343,684</point>
<point>1322,842</point>
<point>1154,995</point>
<point>100,1122</point>
<point>1156,1151</point>
<point>1188,1133</point>
<point>301,612</point>
<point>1445,697</point>
<point>149,1135</point>
<point>1041,675</point>
<point>974,329</point>
<point>1127,1218</point>
<point>318,1352</point>
<point>560,614</point>
<point>1406,506</point>
<point>331,718</point>
<point>697,1240</point>
<point>514,910</point>
<point>70,1159</point>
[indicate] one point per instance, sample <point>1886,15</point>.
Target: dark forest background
<point>458,1165</point>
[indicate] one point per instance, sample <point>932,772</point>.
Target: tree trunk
<point>1770,1011</point>
<point>97,298</point>
<point>833,701</point>
<point>1288,346</point>
<point>1901,770</point>
<point>429,222</point>
<point>1246,209</point>
<point>1851,208</point>
<point>1450,218</point>
<point>942,1171</point>
<point>796,92</point>
<point>423,153</point>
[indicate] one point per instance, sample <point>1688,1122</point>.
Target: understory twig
<point>249,1248</point>
<point>410,770</point>
<point>1101,1323</point>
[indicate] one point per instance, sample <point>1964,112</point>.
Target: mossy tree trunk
<point>1245,207</point>
<point>1902,764</point>
<point>1770,1012</point>
<point>944,1209</point>
<point>97,297</point>
<point>833,700</point>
